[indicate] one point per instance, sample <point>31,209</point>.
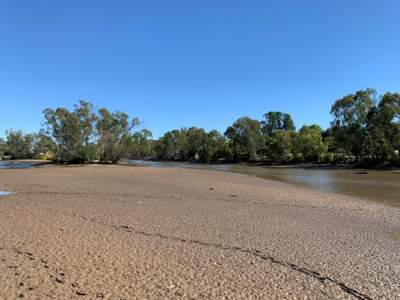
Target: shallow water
<point>15,165</point>
<point>382,186</point>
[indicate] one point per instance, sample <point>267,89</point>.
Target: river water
<point>15,165</point>
<point>382,186</point>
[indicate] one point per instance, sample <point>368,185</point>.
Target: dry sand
<point>114,232</point>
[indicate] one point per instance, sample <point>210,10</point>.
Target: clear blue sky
<point>194,63</point>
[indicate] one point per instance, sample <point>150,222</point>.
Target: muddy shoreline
<point>114,232</point>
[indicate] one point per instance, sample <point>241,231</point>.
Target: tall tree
<point>276,120</point>
<point>172,146</point>
<point>2,148</point>
<point>245,136</point>
<point>142,144</point>
<point>216,147</point>
<point>114,133</point>
<point>383,129</point>
<point>309,146</point>
<point>349,124</point>
<point>72,131</point>
<point>279,146</point>
<point>192,144</point>
<point>19,145</point>
<point>196,142</point>
<point>43,146</point>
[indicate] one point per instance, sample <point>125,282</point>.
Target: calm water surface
<point>382,186</point>
<point>16,165</point>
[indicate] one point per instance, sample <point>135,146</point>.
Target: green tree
<point>349,124</point>
<point>43,146</point>
<point>383,129</point>
<point>2,148</point>
<point>142,144</point>
<point>276,120</point>
<point>114,131</point>
<point>72,131</point>
<point>19,145</point>
<point>216,147</point>
<point>192,144</point>
<point>196,142</point>
<point>280,146</point>
<point>246,138</point>
<point>172,146</point>
<point>309,145</point>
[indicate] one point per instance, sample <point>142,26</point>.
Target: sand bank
<point>115,232</point>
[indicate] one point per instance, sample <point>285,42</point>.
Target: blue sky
<point>194,63</point>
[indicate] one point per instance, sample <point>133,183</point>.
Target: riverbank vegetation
<point>365,130</point>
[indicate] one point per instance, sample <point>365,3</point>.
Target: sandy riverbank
<point>115,232</point>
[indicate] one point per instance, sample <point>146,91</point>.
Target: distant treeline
<point>365,129</point>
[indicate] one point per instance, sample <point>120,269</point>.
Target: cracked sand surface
<point>114,232</point>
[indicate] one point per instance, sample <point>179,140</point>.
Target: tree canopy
<point>246,138</point>
<point>276,120</point>
<point>364,128</point>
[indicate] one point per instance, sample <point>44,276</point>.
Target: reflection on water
<point>382,186</point>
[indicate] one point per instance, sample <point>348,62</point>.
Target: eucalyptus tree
<point>350,120</point>
<point>280,146</point>
<point>246,138</point>
<point>19,145</point>
<point>114,132</point>
<point>204,146</point>
<point>72,131</point>
<point>142,144</point>
<point>276,120</point>
<point>309,145</point>
<point>43,146</point>
<point>192,144</point>
<point>172,146</point>
<point>383,129</point>
<point>196,141</point>
<point>2,148</point>
<point>279,130</point>
<point>216,147</point>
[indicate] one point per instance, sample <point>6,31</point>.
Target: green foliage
<point>114,134</point>
<point>367,130</point>
<point>172,146</point>
<point>43,146</point>
<point>309,145</point>
<point>279,146</point>
<point>18,145</point>
<point>364,127</point>
<point>82,135</point>
<point>72,131</point>
<point>216,147</point>
<point>279,132</point>
<point>382,142</point>
<point>192,144</point>
<point>196,142</point>
<point>276,120</point>
<point>2,148</point>
<point>142,145</point>
<point>246,138</point>
<point>350,115</point>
